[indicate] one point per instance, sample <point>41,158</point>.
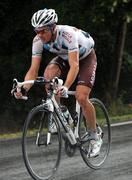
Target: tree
<point>118,14</point>
<point>124,16</point>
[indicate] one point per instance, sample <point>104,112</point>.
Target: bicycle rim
<point>103,122</point>
<point>41,160</point>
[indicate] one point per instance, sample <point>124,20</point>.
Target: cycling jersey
<point>68,39</point>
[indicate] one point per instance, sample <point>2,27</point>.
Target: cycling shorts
<point>87,69</point>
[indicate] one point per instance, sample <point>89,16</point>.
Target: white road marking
<point>121,123</point>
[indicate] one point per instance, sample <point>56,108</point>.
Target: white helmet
<point>43,18</point>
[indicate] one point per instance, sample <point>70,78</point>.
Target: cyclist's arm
<point>33,71</point>
<point>37,48</point>
<point>73,58</point>
<point>70,39</point>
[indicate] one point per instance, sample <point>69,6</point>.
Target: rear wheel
<point>41,149</point>
<point>103,128</point>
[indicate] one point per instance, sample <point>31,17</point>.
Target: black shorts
<point>87,69</point>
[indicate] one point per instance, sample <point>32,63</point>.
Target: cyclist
<point>75,60</point>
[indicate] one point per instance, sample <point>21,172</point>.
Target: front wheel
<point>103,129</point>
<point>41,149</point>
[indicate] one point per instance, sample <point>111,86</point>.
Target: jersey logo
<point>67,36</point>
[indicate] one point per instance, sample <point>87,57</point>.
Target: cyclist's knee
<point>51,71</point>
<point>82,98</point>
<point>82,94</point>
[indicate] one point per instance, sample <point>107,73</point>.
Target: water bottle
<point>68,122</point>
<point>67,114</point>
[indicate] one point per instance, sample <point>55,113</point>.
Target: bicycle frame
<point>51,105</point>
<point>54,107</point>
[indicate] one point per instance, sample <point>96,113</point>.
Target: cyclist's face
<point>44,34</point>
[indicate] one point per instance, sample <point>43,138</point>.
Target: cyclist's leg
<point>86,79</point>
<point>103,131</point>
<point>55,68</point>
<point>51,71</point>
<point>82,96</point>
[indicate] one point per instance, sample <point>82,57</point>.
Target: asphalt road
<point>118,166</point>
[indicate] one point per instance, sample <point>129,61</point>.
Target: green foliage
<point>125,84</point>
<point>100,18</point>
<point>127,62</point>
<point>119,108</point>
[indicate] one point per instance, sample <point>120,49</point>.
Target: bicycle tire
<point>104,124</point>
<point>40,159</point>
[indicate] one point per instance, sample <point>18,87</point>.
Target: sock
<point>93,134</point>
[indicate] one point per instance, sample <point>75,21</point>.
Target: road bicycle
<point>41,148</point>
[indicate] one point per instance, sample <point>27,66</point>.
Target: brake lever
<point>14,86</point>
<point>58,82</point>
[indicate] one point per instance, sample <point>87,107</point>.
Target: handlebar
<point>56,82</point>
<point>40,80</point>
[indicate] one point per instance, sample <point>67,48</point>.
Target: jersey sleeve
<point>70,40</point>
<point>37,47</point>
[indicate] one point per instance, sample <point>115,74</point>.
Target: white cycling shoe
<point>94,147</point>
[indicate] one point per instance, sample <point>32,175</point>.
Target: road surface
<point>117,167</point>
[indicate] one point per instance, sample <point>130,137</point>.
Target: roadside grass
<point>120,112</point>
<point>15,135</point>
<point>7,136</point>
<point>123,118</point>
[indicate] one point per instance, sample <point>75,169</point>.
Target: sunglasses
<point>42,31</point>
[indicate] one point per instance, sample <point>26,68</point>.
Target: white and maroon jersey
<point>68,39</point>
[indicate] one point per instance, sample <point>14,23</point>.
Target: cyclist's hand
<point>20,93</point>
<point>62,91</point>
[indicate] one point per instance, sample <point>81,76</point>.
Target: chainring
<point>69,148</point>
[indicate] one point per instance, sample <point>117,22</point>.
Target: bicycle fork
<point>47,142</point>
<point>76,120</point>
<point>38,139</point>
